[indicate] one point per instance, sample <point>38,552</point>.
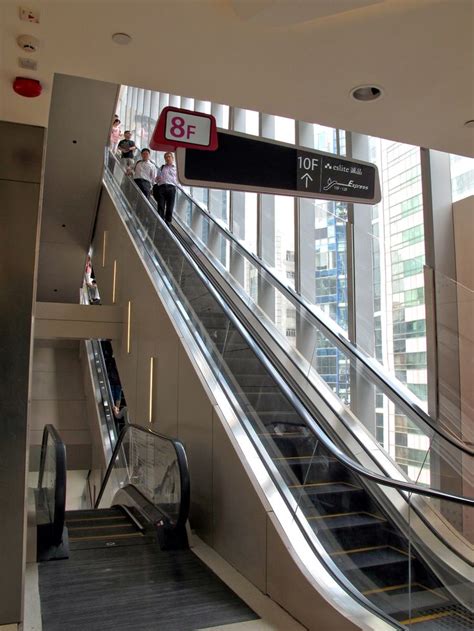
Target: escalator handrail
<point>290,395</point>
<point>60,480</point>
<point>182,465</point>
<point>320,434</point>
<point>111,427</point>
<point>384,380</point>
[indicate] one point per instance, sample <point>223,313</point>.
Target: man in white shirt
<point>145,173</point>
<point>164,190</point>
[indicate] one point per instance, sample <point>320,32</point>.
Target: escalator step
<point>321,488</point>
<point>110,530</point>
<point>93,512</point>
<point>104,536</point>
<point>368,557</point>
<point>345,520</point>
<point>446,620</point>
<point>86,522</point>
<point>399,600</point>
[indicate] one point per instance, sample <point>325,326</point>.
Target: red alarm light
<point>27,87</point>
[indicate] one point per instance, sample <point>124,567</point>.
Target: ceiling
<point>296,58</point>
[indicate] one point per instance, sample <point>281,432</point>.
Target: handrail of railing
<point>292,397</point>
<point>182,465</point>
<point>401,395</point>
<point>103,366</point>
<point>320,434</point>
<point>59,482</point>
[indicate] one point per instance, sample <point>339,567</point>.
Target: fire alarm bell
<point>27,87</point>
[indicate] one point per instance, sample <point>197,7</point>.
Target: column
<point>20,177</point>
<point>361,284</point>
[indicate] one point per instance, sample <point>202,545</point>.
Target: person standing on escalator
<point>145,173</point>
<point>164,191</point>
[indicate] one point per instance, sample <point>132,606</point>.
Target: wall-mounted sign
<point>246,163</point>
<point>184,128</point>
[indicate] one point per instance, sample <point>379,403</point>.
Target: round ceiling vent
<point>469,124</point>
<point>366,93</point>
<point>122,39</point>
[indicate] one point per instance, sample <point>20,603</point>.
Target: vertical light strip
<point>129,318</point>
<point>104,246</point>
<point>150,400</point>
<point>114,280</point>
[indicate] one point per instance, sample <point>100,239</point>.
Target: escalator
<point>126,564</point>
<point>385,539</point>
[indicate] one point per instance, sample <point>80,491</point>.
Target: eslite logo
<point>184,128</point>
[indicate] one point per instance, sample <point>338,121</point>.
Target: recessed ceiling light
<point>469,124</point>
<point>366,93</point>
<point>121,38</point>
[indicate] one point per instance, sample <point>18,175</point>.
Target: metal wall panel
<point>78,130</point>
<point>20,169</point>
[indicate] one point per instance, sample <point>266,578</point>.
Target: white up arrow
<point>306,177</point>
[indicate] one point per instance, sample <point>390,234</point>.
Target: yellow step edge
<point>126,525</point>
<point>429,616</point>
<point>105,537</point>
<point>285,434</point>
<point>311,484</point>
<point>367,549</point>
<point>94,518</point>
<point>345,515</point>
<point>392,587</point>
<point>386,589</point>
<point>310,457</point>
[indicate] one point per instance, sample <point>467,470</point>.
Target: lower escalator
<point>128,564</point>
<point>368,528</point>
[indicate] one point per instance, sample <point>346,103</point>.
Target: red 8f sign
<point>177,127</point>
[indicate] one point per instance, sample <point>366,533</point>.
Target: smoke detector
<point>28,43</point>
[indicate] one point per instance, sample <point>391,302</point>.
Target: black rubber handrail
<point>111,427</point>
<point>182,465</point>
<point>380,376</point>
<point>288,392</point>
<point>57,525</point>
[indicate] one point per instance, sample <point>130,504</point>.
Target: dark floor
<point>135,587</point>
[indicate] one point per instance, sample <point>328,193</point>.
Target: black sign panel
<point>247,163</point>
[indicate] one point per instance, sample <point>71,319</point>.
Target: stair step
<point>399,600</point>
<point>322,488</point>
<point>93,512</point>
<point>345,520</point>
<point>448,619</point>
<point>369,557</point>
<point>115,530</point>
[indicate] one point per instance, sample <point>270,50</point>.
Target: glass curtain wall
<point>398,256</point>
<point>462,177</point>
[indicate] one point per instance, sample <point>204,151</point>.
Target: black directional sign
<point>247,163</point>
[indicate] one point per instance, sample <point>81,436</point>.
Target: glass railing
<point>341,507</point>
<point>451,323</point>
<point>156,466</point>
<point>51,493</point>
<point>395,418</point>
